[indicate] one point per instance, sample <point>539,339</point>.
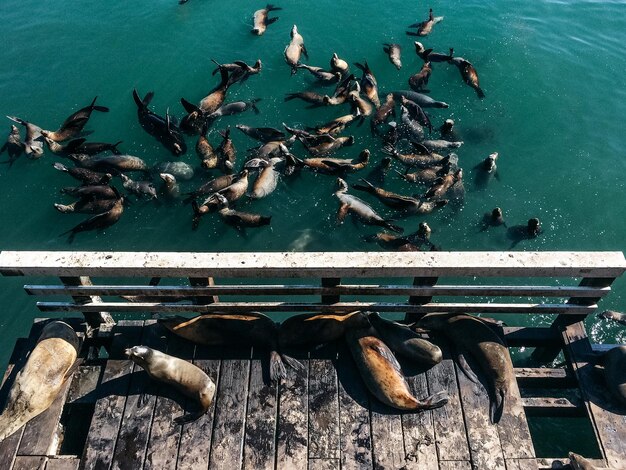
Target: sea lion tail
<point>114,148</point>
<point>393,227</point>
<point>480,92</point>
<point>102,109</point>
<point>253,105</point>
<point>436,400</point>
<point>367,187</point>
<point>386,48</point>
<point>277,368</point>
<point>219,66</point>
<point>497,406</point>
<point>291,96</point>
<point>291,362</point>
<point>140,104</point>
<point>270,7</point>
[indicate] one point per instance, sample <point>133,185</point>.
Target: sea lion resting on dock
<point>382,375</point>
<point>578,462</point>
<point>253,329</point>
<point>319,328</point>
<point>41,380</point>
<point>187,378</point>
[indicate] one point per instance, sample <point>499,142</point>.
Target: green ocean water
<point>555,110</point>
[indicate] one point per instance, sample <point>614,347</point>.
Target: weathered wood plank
<point>387,439</point>
<point>607,416</point>
<point>313,264</point>
<point>30,463</point>
<point>534,377</point>
<point>84,384</point>
<point>354,419</point>
<point>134,430</point>
<point>230,414</point>
<point>196,437</point>
<point>94,319</point>
<point>343,289</point>
<point>521,464</point>
<point>418,429</point>
<point>260,438</point>
<point>551,406</point>
<point>450,436</point>
<point>63,463</point>
<point>109,407</point>
<point>243,307</point>
<point>455,465</point>
<point>324,464</point>
<point>549,463</point>
<point>484,442</point>
<point>323,404</point>
<point>162,451</point>
<point>292,426</point>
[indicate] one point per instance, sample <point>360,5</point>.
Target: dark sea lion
<point>419,81</point>
<point>468,74</point>
<point>448,131</point>
<point>421,158</point>
<point>263,134</point>
<point>309,97</point>
<point>382,375</point>
<point>393,51</point>
<point>379,172</point>
<point>98,221</point>
<point>342,91</point>
<point>212,186</point>
<point>392,242</point>
<point>226,152</point>
<point>410,128</point>
<point>614,363</point>
<point>240,71</point>
<point>232,192</point>
<point>352,204</point>
<point>428,175</point>
<point>261,19</point>
<point>486,170</point>
<point>239,219</point>
<point>236,107</point>
<point>471,334</point>
<point>162,128</point>
<point>86,205</point>
<point>423,100</point>
<point>417,113</point>
<point>294,50</point>
<point>493,219</point>
<point>85,176</point>
<point>383,113</point>
<point>170,187</point>
<point>424,28</point>
<point>102,191</point>
<point>33,143</point>
<point>80,146</point>
<point>427,55</point>
<point>186,377</point>
<point>407,204</point>
<point>531,230</point>
<point>421,235</point>
<point>614,316</point>
<point>251,329</point>
<point>405,342</point>
<point>37,385</point>
<point>273,148</point>
<point>368,83</point>
<point>322,76</point>
<point>578,462</point>
<point>309,330</point>
<point>75,123</point>
<point>117,163</point>
<point>139,188</point>
<point>13,146</point>
<point>180,170</point>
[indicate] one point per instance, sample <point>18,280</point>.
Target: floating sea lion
<point>338,125</point>
<point>342,91</point>
<point>493,219</point>
<point>251,329</point>
<point>421,235</point>
<point>442,184</point>
<point>411,128</point>
<point>294,49</point>
<point>393,51</point>
<point>227,155</point>
<point>170,186</point>
<point>92,191</point>
<point>428,175</point>
<point>392,136</point>
<point>261,20</point>
<point>337,165</point>
<point>368,83</point>
<point>240,71</point>
<point>310,97</point>
<point>235,107</point>
<point>212,102</point>
<point>448,131</point>
<point>33,144</point>
<point>424,28</point>
<point>322,75</point>
<point>489,163</point>
<point>613,315</point>
<point>352,204</point>
<point>383,113</point>
<point>37,385</point>
<point>80,146</point>
<point>417,113</point>
<point>268,178</point>
<point>87,205</point>
<point>578,462</point>
<point>407,204</point>
<point>328,147</point>
<point>358,103</point>
<point>75,123</point>
<point>308,330</point>
<point>471,334</point>
<point>423,100</point>
<point>339,65</point>
<point>392,242</point>
<point>468,74</point>
<point>517,233</point>
<point>486,169</point>
<point>163,129</point>
<point>212,186</point>
<point>273,148</point>
<point>238,219</point>
<point>232,192</point>
<point>379,172</point>
<point>382,375</point>
<point>180,170</point>
<point>402,340</point>
<point>423,159</point>
<point>118,163</point>
<point>427,55</point>
<point>438,144</point>
<point>419,81</point>
<point>187,378</point>
<point>205,151</point>
<point>263,134</point>
<point>85,176</point>
<point>13,146</point>
<point>99,221</point>
<point>139,188</point>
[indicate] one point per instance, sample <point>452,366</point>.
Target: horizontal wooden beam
<point>535,377</point>
<point>554,406</point>
<point>340,307</point>
<point>313,264</point>
<point>344,289</point>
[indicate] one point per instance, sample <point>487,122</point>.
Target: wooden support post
<point>97,320</point>
<point>419,300</point>
<point>330,282</point>
<point>203,282</point>
<point>549,353</point>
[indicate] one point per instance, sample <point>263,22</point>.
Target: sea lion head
<point>424,230</point>
<point>578,462</point>
<point>294,30</point>
<point>364,156</point>
<point>496,214</point>
<point>533,226</point>
<point>139,354</point>
<point>168,178</point>
<point>433,321</point>
<point>60,330</point>
<point>350,140</point>
<point>419,47</point>
<point>342,185</point>
<point>385,163</point>
<point>258,65</point>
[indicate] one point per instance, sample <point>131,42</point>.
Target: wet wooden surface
<point>320,417</point>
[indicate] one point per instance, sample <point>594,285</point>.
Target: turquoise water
<point>555,111</point>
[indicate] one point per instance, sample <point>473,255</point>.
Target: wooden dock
<point>112,416</point>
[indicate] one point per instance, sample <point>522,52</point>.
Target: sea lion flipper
<point>293,363</point>
<point>387,355</point>
<point>304,51</point>
<point>277,368</point>
<point>342,212</point>
<point>436,400</point>
<point>269,21</point>
<point>189,418</point>
<point>465,367</point>
<point>497,406</point>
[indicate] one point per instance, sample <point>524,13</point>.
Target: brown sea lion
<point>493,219</point>
<point>85,176</point>
<point>423,159</point>
<point>239,70</point>
<point>75,123</point>
<point>419,81</point>
<point>578,462</point>
<point>186,377</point>
<point>310,97</point>
<point>139,188</point>
<point>212,102</point>
<point>392,242</point>
<point>251,329</point>
<point>238,219</point>
<point>427,175</point>
<point>309,330</point>
<point>295,49</point>
<point>382,375</point>
<point>407,204</point>
<point>424,28</point>
<point>170,187</point>
<point>339,65</point>
<point>383,113</point>
<point>402,340</point>
<point>443,184</point>
<point>101,191</point>
<point>393,51</point>
<point>337,165</point>
<point>613,315</point>
<point>328,146</point>
<point>33,143</point>
<point>115,163</point>
<point>427,55</point>
<point>368,83</point>
<point>205,150</point>
<point>358,103</point>
<point>471,334</point>
<point>212,186</point>
<point>323,76</point>
<point>38,384</point>
<point>337,125</point>
<point>261,20</point>
<point>226,152</point>
<point>268,178</point>
<point>13,146</point>
<point>86,205</point>
<point>468,74</point>
<point>99,221</point>
<point>232,192</point>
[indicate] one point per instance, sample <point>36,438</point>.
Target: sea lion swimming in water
<point>368,83</point>
<point>263,134</point>
<point>93,191</point>
<point>261,19</point>
<point>419,81</point>
<point>33,144</point>
<point>212,186</point>
<point>13,146</point>
<point>422,157</point>
<point>99,221</point>
<point>393,51</point>
<point>337,125</point>
<point>232,192</point>
<point>409,205</point>
<point>139,188</point>
<point>383,113</point>
<point>309,330</point>
<point>238,219</point>
<point>531,230</point>
<point>427,55</point>
<point>294,49</point>
<point>180,170</point>
<point>163,129</point>
<point>358,103</point>
<point>86,205</point>
<point>205,151</point>
<point>37,385</point>
<point>75,123</point>
<point>196,116</point>
<point>80,146</point>
<point>382,375</point>
<point>310,97</point>
<point>336,165</point>
<point>327,147</point>
<point>268,178</point>
<point>186,377</point>
<point>613,315</point>
<point>170,186</point>
<point>235,107</point>
<point>116,163</point>
<point>339,65</point>
<point>493,219</point>
<point>468,74</point>
<point>471,334</point>
<point>251,329</point>
<point>424,28</point>
<point>322,75</point>
<point>443,184</point>
<point>392,242</point>
<point>85,176</point>
<point>423,100</point>
<point>226,152</point>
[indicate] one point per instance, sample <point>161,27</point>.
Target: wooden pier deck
<point>112,416</point>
